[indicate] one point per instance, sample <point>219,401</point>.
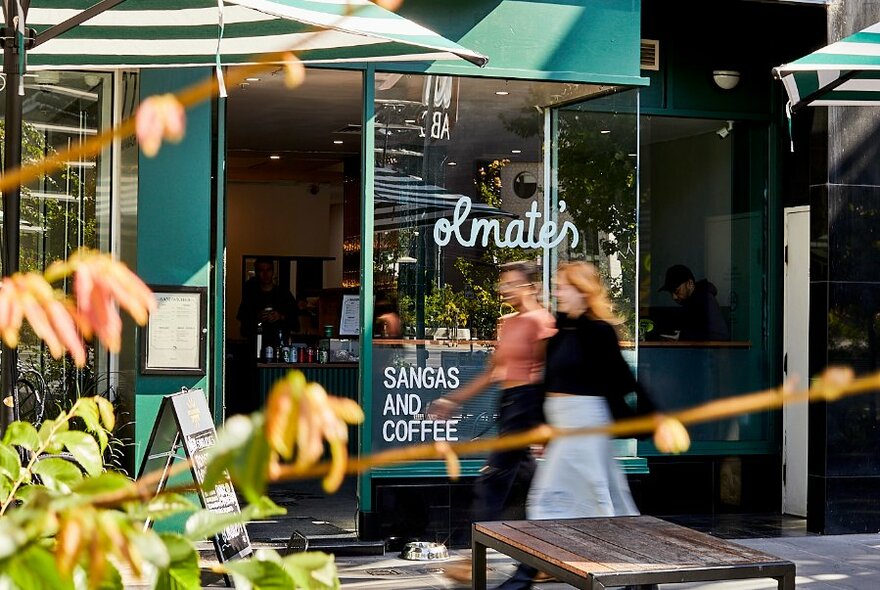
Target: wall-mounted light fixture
<point>726,79</point>
<point>725,130</point>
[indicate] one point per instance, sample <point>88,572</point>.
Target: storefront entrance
<point>292,267</point>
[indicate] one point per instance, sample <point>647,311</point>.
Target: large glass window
<point>702,293</point>
<point>68,208</point>
<point>460,175</point>
<point>671,210</point>
<point>595,165</point>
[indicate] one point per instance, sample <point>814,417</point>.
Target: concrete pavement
<point>833,562</point>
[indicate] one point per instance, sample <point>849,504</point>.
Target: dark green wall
<point>595,41</point>
<point>750,37</point>
<point>174,226</point>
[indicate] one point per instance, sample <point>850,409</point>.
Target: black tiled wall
<point>844,447</point>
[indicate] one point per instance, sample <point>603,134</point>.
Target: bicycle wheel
<point>31,404</point>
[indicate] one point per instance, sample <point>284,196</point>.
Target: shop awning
<point>845,73</point>
<point>404,201</point>
<point>155,33</point>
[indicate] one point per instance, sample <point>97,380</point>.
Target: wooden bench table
<point>594,553</point>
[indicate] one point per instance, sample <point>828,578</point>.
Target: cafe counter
<point>339,379</point>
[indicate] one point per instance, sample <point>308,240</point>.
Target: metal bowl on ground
<point>424,551</point>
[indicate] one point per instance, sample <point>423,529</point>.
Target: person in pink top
<point>518,366</point>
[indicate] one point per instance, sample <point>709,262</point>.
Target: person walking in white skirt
<point>586,379</point>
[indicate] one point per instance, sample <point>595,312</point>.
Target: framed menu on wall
<point>173,341</point>
<point>350,317</point>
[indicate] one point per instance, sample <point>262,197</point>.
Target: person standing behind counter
<point>264,303</point>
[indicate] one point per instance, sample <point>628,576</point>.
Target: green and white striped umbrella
<point>845,73</point>
<point>145,33</point>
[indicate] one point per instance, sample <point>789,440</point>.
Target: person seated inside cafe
<point>701,319</point>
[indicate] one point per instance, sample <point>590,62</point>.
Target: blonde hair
<point>585,277</point>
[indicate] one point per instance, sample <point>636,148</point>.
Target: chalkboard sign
<point>184,421</point>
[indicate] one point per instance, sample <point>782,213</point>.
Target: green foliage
<point>67,521</point>
<point>445,308</point>
<point>182,571</point>
<point>204,524</point>
<point>268,571</point>
<point>243,451</point>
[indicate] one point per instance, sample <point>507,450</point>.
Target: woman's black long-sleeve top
<point>584,358</point>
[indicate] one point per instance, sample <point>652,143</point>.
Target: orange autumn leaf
<point>159,117</point>
<point>391,5</point>
<point>671,436</point>
<point>294,71</point>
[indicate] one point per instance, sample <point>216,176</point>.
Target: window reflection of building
<point>70,207</point>
<point>438,140</point>
<point>645,192</point>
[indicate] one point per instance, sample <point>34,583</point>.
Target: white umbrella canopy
<point>156,33</point>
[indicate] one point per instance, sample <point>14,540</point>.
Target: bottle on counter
<point>324,351</point>
<point>294,354</point>
<point>284,354</point>
<point>269,354</point>
<point>259,339</point>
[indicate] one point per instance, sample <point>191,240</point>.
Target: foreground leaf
<point>108,415</point>
<point>183,570</point>
<point>48,432</point>
<point>87,409</point>
<point>312,570</point>
<point>282,413</point>
<point>243,450</point>
<point>31,492</point>
<point>104,483</point>
<point>10,463</point>
<point>261,575</point>
<point>34,568</point>
<point>22,434</point>
<point>204,523</point>
<point>5,487</point>
<point>57,473</point>
<point>84,449</point>
<point>12,538</point>
<point>112,579</point>
<point>161,506</point>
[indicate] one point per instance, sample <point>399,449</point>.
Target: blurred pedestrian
<point>518,366</point>
<point>586,380</point>
<point>387,319</point>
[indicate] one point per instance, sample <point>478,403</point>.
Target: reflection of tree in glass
<point>597,180</point>
<point>445,308</point>
<point>482,302</point>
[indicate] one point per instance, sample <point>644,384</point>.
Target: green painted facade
<point>181,218</point>
<point>174,229</point>
<point>595,41</point>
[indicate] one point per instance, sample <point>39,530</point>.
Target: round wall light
<point>525,185</point>
<point>726,79</point>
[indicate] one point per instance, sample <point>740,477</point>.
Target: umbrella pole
<point>12,46</point>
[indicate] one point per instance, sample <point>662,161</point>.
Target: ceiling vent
<point>649,55</point>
